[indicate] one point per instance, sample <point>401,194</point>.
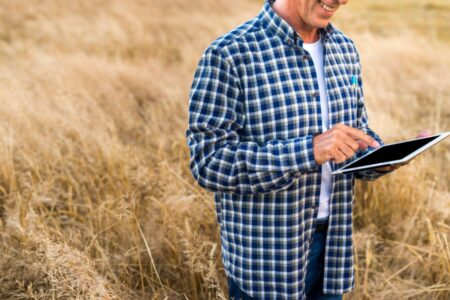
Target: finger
<point>338,156</point>
<point>424,133</point>
<point>349,142</point>
<point>401,164</point>
<point>384,169</point>
<point>346,150</point>
<point>342,135</point>
<point>357,134</point>
<point>362,145</point>
<point>329,155</point>
<point>340,159</point>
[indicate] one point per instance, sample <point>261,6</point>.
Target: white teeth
<point>327,8</point>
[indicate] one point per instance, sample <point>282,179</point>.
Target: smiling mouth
<point>327,8</point>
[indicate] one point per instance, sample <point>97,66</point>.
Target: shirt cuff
<point>303,160</point>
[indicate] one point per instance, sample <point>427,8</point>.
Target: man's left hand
<point>424,133</point>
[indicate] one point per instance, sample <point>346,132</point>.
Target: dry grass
<point>96,197</point>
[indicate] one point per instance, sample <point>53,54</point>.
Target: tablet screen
<point>391,152</point>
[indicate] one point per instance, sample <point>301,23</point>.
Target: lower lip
<point>325,12</point>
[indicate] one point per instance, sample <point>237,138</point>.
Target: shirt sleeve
<point>363,124</point>
<point>220,160</point>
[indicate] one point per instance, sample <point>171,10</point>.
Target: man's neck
<point>288,12</point>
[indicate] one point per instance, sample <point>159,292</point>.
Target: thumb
<point>424,133</point>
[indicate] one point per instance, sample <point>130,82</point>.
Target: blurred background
<point>96,197</point>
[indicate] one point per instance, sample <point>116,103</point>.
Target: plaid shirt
<point>254,108</point>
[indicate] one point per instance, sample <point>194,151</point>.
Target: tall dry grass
<point>96,197</point>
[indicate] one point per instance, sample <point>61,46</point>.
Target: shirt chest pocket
<point>345,106</point>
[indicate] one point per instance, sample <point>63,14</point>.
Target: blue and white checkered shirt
<point>254,108</point>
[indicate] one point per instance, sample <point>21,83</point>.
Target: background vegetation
<point>96,196</point>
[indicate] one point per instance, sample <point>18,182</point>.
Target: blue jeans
<point>315,270</point>
<point>314,273</point>
<point>235,293</point>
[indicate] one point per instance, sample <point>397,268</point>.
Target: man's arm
<point>219,160</point>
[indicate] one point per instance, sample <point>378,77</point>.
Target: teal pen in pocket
<point>354,85</point>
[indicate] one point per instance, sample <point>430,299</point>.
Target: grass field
<point>96,197</point>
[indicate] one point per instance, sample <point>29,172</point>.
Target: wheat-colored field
<point>96,197</point>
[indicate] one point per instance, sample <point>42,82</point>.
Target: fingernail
<point>376,144</point>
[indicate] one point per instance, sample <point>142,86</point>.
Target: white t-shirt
<point>316,52</point>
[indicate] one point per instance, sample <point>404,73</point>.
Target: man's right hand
<point>340,143</point>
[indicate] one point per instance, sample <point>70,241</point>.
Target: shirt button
<point>315,94</point>
<point>305,57</point>
<point>314,206</point>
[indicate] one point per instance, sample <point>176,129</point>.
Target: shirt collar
<point>278,26</point>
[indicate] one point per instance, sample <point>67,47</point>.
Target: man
<point>277,104</point>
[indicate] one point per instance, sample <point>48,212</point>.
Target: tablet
<point>392,154</point>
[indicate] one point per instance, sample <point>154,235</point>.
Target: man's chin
<point>323,24</point>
